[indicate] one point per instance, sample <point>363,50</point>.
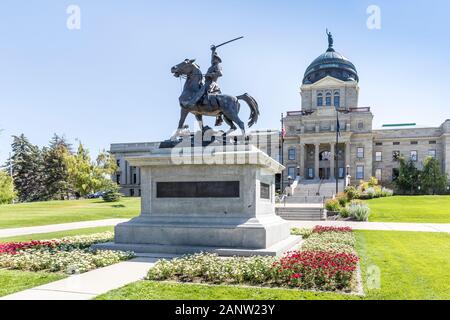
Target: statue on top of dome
<point>330,40</point>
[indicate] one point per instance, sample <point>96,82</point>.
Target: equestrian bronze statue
<point>202,96</point>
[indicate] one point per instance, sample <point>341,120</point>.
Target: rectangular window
<point>328,101</point>
<point>378,174</point>
<point>310,173</point>
<point>337,101</point>
<point>134,178</point>
<point>378,156</point>
<point>360,125</point>
<point>118,179</point>
<point>291,154</point>
<point>360,172</point>
<point>433,142</point>
<point>414,142</point>
<point>432,153</point>
<point>413,155</point>
<point>379,143</point>
<point>395,155</point>
<point>118,162</point>
<point>396,143</point>
<point>291,172</point>
<point>319,101</point>
<point>341,173</point>
<point>360,152</point>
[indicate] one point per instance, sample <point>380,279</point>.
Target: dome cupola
<point>331,63</point>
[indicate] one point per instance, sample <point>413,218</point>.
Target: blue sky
<point>110,81</point>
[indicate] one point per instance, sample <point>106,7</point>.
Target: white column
<point>301,160</point>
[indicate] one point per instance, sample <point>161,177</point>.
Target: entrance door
<point>324,173</point>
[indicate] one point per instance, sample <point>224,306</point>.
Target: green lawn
<point>151,290</point>
<point>14,281</point>
<point>56,235</point>
<point>54,212</point>
<point>413,265</point>
<point>424,209</point>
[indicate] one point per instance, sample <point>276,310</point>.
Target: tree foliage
<point>56,172</point>
<point>7,192</point>
<point>408,178</point>
<point>27,169</point>
<point>429,180</point>
<point>86,176</point>
<point>55,168</point>
<point>433,180</point>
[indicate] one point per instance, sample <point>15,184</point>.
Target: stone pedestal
<point>212,199</point>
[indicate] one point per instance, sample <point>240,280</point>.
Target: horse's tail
<point>254,109</point>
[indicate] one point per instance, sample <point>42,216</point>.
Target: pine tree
<point>27,169</point>
<point>408,176</point>
<point>433,180</point>
<point>56,178</point>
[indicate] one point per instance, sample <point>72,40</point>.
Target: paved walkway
<point>5,233</point>
<point>88,285</point>
<point>382,226</point>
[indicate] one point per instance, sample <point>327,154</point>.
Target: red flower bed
<point>321,229</point>
<point>316,269</point>
<point>13,247</point>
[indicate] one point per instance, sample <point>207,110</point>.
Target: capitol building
<point>329,90</point>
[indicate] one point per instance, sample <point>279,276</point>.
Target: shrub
<point>385,192</point>
<point>363,185</point>
<point>371,193</point>
<point>344,212</point>
<point>112,193</point>
<point>352,193</point>
<point>332,205</point>
<point>359,211</point>
<point>342,198</point>
<point>373,182</point>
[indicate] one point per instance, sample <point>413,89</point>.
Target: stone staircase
<point>305,212</point>
<point>307,201</point>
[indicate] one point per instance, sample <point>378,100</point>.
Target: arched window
<point>319,100</point>
<point>337,100</point>
<point>328,99</point>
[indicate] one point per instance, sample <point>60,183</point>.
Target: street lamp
<point>298,171</point>
<point>347,174</point>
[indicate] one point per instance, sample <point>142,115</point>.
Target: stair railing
<point>320,185</point>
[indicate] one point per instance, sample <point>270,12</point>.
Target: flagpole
<point>336,152</point>
<point>282,153</point>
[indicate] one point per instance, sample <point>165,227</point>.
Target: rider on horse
<point>211,87</point>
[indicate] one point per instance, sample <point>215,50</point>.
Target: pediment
<point>327,82</point>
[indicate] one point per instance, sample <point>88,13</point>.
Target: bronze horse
<point>212,104</point>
